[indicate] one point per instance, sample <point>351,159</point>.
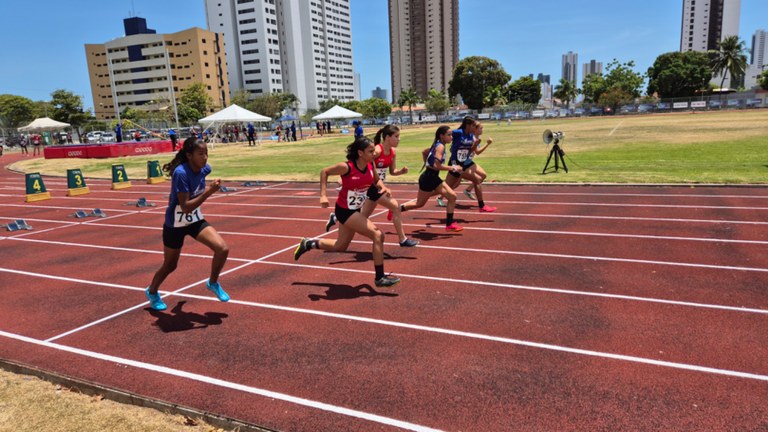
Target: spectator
<point>251,131</point>
<point>358,128</point>
<point>293,131</point>
<point>119,132</point>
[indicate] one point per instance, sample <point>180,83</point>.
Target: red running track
<point>572,308</point>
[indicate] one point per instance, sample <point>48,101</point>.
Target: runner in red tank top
<point>359,183</point>
<point>386,140</point>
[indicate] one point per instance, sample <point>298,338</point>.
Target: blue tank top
<point>184,179</point>
<point>461,145</point>
<point>430,163</point>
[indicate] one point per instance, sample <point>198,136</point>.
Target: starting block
<point>97,213</point>
<point>12,227</point>
<point>227,189</point>
<point>79,214</point>
<point>142,202</point>
<point>22,224</point>
<point>256,183</point>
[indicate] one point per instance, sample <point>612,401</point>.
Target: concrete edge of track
<point>124,397</point>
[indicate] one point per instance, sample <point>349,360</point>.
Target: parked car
<point>108,137</point>
<point>93,136</point>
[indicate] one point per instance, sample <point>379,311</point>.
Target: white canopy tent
<point>233,114</point>
<point>337,112</point>
<point>44,124</point>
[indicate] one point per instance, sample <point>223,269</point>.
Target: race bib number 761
<point>182,219</point>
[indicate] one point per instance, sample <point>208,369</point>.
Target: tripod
<point>558,153</point>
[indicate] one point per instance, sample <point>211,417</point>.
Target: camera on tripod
<point>554,138</point>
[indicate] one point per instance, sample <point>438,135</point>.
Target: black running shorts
<point>174,237</point>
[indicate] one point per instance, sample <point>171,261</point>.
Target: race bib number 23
<point>182,219</point>
<point>356,198</point>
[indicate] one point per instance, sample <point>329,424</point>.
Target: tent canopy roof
<point>337,112</point>
<point>43,124</point>
<point>234,113</point>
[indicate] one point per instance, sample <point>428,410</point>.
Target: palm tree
<point>729,57</point>
<point>410,98</point>
<point>565,91</point>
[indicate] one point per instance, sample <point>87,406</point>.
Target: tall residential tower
<point>303,47</point>
<point>424,44</point>
<point>707,22</point>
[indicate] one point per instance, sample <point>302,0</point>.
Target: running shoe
<point>409,243</point>
<point>470,194</point>
<point>487,209</point>
<point>387,281</point>
<point>301,249</point>
<point>216,289</point>
<point>440,202</point>
<point>155,302</point>
<point>453,227</point>
<point>331,222</point>
<point>389,215</point>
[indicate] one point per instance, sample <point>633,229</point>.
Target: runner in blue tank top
<point>461,148</point>
<point>183,217</point>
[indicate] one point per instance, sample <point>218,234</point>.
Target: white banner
<point>698,104</point>
<point>678,105</point>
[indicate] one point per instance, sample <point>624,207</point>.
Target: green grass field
<point>718,147</point>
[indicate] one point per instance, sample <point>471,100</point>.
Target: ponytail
<point>384,132</point>
<point>181,156</point>
<point>359,144</point>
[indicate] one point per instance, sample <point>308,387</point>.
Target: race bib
<point>382,173</point>
<point>182,219</point>
<point>461,155</point>
<point>356,198</point>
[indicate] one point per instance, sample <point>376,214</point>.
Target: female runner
<point>359,181</point>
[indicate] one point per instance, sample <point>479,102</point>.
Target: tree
<point>592,87</point>
<point>375,108</point>
<point>68,108</point>
<point>353,105</point>
<point>197,98</point>
<point>494,96</point>
<point>622,76</point>
<point>729,58</point>
<point>565,91</point>
<point>408,98</point>
<point>615,97</point>
<point>328,104</point>
<point>763,80</point>
<point>473,76</point>
<point>270,105</point>
<point>679,74</point>
<point>437,102</point>
<point>187,114</point>
<point>16,111</point>
<point>241,97</point>
<point>525,90</point>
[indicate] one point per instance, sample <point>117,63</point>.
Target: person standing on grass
<point>359,181</point>
<point>183,217</point>
<point>251,135</point>
<point>430,182</point>
<point>461,146</point>
<point>387,138</point>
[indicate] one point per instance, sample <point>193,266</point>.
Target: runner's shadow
<point>343,292</point>
<point>426,236</point>
<point>367,256</point>
<point>179,320</point>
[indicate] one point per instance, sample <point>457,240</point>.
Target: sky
<point>43,40</point>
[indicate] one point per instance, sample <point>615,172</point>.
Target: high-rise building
<point>570,65</point>
<point>542,78</point>
<point>593,67</point>
<point>423,43</point>
<point>758,58</point>
<point>379,92</point>
<point>707,22</point>
<point>291,46</point>
<point>144,69</point>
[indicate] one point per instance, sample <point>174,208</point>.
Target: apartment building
<point>145,69</point>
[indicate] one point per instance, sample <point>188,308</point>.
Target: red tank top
<point>383,162</point>
<point>354,186</point>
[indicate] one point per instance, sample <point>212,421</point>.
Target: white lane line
<point>223,383</point>
<point>614,129</point>
<point>539,289</point>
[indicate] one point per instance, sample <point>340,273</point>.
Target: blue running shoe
<point>216,289</point>
<point>155,302</point>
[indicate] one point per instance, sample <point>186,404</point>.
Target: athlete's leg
<point>170,262</point>
<point>211,238</point>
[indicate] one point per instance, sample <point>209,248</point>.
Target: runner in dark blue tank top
<point>183,217</point>
<point>461,148</point>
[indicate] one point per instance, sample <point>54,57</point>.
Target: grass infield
<point>704,147</point>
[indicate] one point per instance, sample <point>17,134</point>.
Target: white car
<point>93,137</point>
<point>108,137</point>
